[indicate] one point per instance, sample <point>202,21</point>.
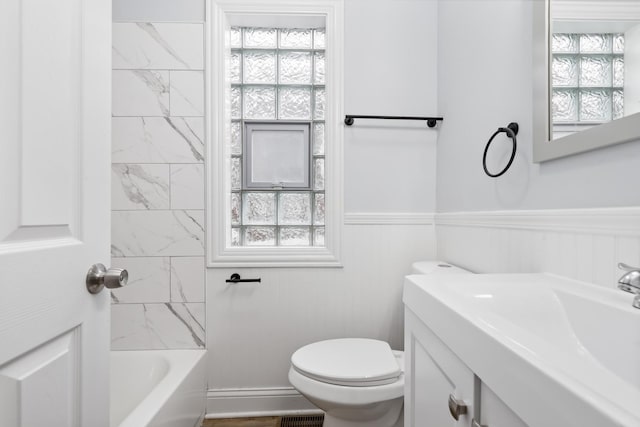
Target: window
<point>277,97</point>
<point>276,155</point>
<point>587,79</point>
<point>274,133</point>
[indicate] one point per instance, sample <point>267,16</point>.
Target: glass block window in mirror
<point>587,78</point>
<point>277,140</point>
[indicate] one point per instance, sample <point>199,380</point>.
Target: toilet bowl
<point>355,381</point>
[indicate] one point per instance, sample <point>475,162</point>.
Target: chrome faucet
<point>630,282</point>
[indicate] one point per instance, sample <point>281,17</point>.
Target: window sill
<point>275,257</point>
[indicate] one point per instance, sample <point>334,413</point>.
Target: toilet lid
<point>348,361</point>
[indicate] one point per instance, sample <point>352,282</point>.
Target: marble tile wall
<point>157,185</point>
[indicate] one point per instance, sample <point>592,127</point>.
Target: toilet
<point>436,267</point>
<point>357,381</point>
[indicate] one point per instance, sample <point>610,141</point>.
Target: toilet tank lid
<point>429,267</point>
<point>345,360</point>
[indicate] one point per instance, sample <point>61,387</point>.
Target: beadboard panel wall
<point>259,325</point>
<point>157,187</point>
<point>583,244</point>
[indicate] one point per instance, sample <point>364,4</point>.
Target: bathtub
<point>157,388</point>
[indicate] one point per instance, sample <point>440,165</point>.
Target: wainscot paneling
<point>584,244</point>
<point>255,328</point>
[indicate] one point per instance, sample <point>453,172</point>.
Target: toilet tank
<point>440,267</point>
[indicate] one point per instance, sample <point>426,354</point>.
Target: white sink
<point>555,349</point>
<point>608,331</point>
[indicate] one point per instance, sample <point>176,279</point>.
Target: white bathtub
<point>157,388</point>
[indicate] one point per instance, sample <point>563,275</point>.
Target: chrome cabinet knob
<point>99,277</point>
<point>456,407</point>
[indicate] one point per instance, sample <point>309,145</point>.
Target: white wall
<point>485,82</point>
<point>390,70</point>
<point>512,224</point>
<point>252,330</point>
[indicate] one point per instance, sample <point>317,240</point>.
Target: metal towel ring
<point>511,130</point>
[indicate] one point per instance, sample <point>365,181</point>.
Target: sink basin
<point>607,331</point>
<point>570,347</point>
<point>577,318</point>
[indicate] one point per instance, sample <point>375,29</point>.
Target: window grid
<point>271,233</point>
<point>587,78</point>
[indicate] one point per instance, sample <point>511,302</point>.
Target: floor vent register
<point>302,421</point>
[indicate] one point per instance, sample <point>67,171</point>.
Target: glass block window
<point>277,76</point>
<point>587,78</point>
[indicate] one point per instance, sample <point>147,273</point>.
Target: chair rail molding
<point>624,221</point>
<point>389,218</point>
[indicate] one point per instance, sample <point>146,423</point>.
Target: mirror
<point>586,75</point>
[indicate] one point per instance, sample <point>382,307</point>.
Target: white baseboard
<point>257,402</point>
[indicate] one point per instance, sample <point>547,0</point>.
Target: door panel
<point>54,211</point>
<point>50,65</point>
<point>27,382</point>
<point>45,127</point>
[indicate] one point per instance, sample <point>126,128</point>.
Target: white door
<point>54,211</point>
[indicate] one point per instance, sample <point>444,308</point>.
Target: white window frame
<point>220,16</point>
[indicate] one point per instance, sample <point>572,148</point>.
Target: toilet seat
<point>354,362</point>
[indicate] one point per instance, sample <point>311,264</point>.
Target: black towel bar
<point>431,121</point>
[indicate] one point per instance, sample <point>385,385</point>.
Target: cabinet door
<point>433,374</point>
<point>494,412</point>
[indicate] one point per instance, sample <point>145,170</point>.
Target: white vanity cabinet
<point>434,375</point>
<point>520,350</point>
<point>494,412</point>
